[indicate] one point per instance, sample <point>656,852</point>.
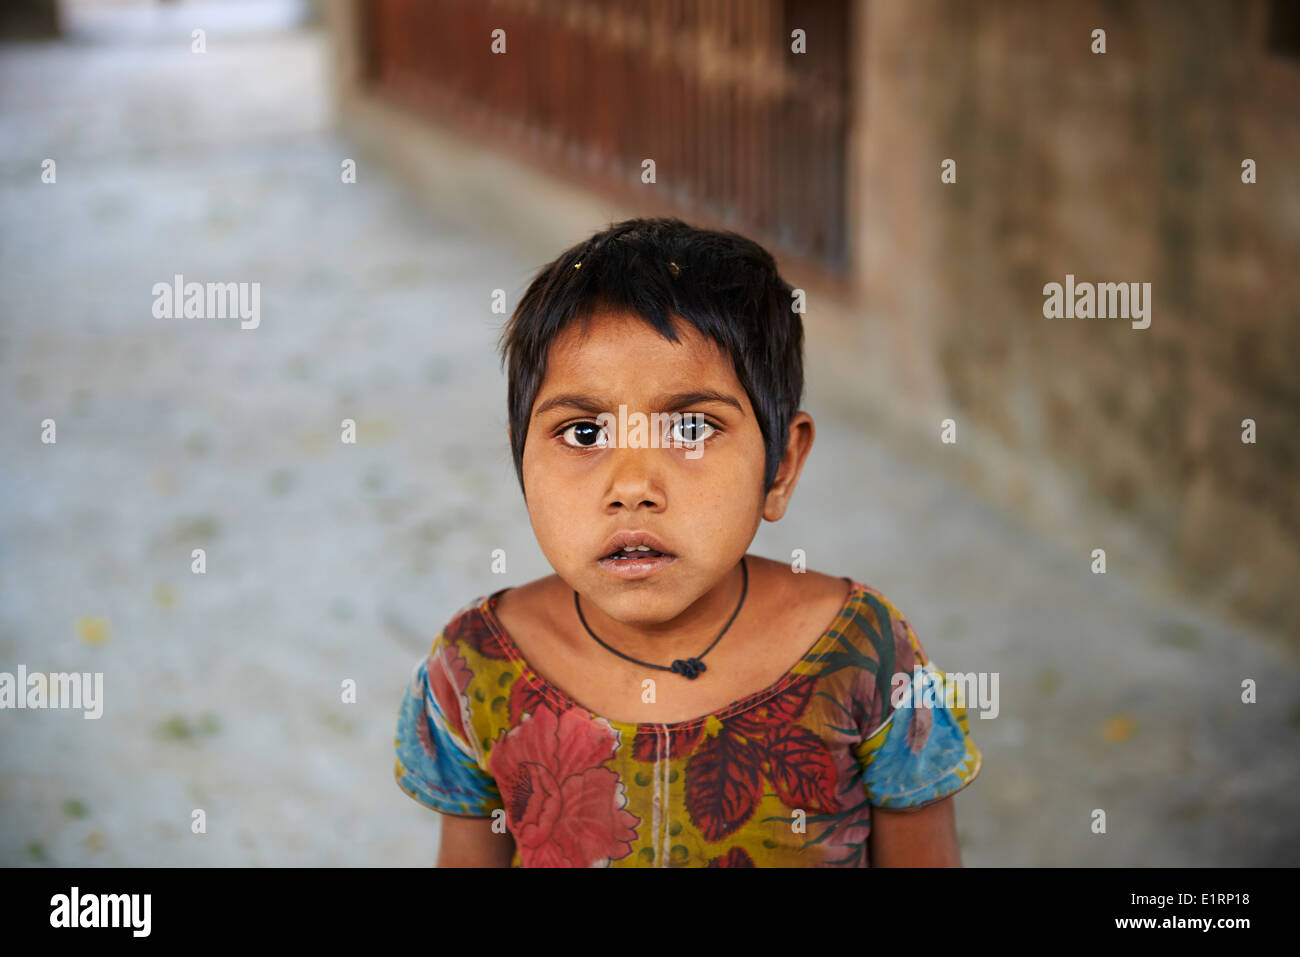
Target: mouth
<point>632,552</point>
<point>633,555</point>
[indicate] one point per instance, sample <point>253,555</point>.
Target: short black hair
<point>723,284</point>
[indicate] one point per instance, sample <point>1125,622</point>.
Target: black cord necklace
<point>690,667</point>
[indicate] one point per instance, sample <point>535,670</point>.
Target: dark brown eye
<point>691,427</point>
<point>586,435</point>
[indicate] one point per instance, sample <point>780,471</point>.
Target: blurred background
<point>216,140</point>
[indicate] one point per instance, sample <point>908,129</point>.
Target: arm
<point>470,842</point>
<point>924,838</point>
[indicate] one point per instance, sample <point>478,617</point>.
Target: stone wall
<point>1115,167</point>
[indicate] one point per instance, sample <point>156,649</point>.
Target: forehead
<point>614,344</point>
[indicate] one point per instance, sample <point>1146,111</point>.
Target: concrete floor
<point>327,562</point>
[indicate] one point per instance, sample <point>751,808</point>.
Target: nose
<point>635,481</point>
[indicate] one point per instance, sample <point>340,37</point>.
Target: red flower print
<point>800,769</point>
<point>724,776</point>
<point>736,857</point>
<point>449,676</point>
<point>525,697</point>
<point>473,629</point>
<point>723,785</point>
<point>564,807</point>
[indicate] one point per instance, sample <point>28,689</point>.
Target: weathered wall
<point>1123,166</point>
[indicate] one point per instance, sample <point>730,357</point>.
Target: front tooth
<point>643,548</point>
<point>629,548</point>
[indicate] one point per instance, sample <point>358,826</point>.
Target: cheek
<point>731,482</point>
<point>552,501</point>
<point>556,533</point>
<point>723,508</point>
<point>533,464</point>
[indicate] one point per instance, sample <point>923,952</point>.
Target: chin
<point>644,602</point>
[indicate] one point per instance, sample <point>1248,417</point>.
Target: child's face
<point>703,504</point>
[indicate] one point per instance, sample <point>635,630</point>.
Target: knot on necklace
<point>690,667</point>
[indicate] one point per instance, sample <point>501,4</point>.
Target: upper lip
<point>621,540</point>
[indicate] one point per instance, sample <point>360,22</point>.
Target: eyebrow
<point>667,403</point>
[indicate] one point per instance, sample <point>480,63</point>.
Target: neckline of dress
<point>486,608</point>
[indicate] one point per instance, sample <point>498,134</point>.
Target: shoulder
<point>487,625</point>
<point>875,625</point>
<point>468,629</point>
<point>471,672</point>
<point>817,595</point>
<point>861,611</point>
<point>877,648</point>
<point>859,618</point>
<point>532,608</point>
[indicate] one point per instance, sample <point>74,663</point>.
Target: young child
<point>665,699</point>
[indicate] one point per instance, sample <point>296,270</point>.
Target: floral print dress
<point>784,777</point>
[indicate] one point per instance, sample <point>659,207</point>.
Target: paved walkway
<point>327,562</point>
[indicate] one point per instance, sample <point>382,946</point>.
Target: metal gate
<point>744,132</point>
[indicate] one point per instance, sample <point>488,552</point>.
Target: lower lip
<point>631,569</point>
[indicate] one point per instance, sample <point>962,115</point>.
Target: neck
<point>685,635</point>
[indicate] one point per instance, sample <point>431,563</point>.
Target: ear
<point>797,447</point>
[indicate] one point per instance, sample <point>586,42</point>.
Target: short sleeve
<point>922,750</point>
<point>436,763</point>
